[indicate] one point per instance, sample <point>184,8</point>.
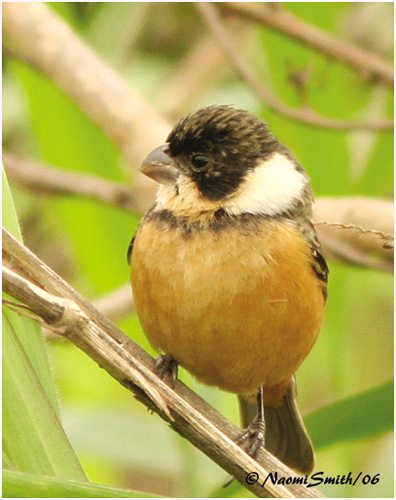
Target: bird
<point>228,276</point>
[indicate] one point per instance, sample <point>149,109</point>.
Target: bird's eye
<point>199,162</point>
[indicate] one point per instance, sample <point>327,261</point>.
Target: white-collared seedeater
<point>227,273</point>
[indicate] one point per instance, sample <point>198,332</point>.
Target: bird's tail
<point>286,436</point>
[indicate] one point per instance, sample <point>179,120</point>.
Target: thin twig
<point>362,225</point>
<point>388,238</point>
<point>70,315</point>
<point>368,64</point>
<point>307,116</point>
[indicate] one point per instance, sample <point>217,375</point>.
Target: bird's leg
<point>166,368</point>
<point>255,432</point>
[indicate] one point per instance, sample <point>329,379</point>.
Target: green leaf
<point>22,485</point>
<point>29,332</point>
<point>33,438</point>
<point>10,220</point>
<point>362,416</point>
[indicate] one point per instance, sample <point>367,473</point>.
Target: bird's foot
<point>166,368</point>
<point>253,437</point>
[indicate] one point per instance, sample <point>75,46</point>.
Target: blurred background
<point>168,54</point>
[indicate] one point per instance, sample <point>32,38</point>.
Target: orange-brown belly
<point>237,311</point>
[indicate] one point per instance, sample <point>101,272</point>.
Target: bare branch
<point>70,315</point>
<point>44,304</point>
<point>348,254</point>
<point>366,63</point>
<point>47,42</point>
<point>57,181</point>
<point>116,305</point>
<point>52,47</point>
<point>304,115</point>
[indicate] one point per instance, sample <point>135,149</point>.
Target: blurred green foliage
<point>117,441</point>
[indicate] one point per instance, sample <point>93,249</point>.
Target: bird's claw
<point>166,368</point>
<point>255,435</point>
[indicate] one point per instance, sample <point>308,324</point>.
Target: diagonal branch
<point>65,312</point>
<point>38,36</point>
<point>307,116</point>
<point>368,64</point>
<point>48,43</point>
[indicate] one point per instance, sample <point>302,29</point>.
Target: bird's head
<point>226,158</point>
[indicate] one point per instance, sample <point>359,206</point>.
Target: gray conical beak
<point>159,166</point>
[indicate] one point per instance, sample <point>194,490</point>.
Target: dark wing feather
<point>130,248</point>
<point>319,265</point>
